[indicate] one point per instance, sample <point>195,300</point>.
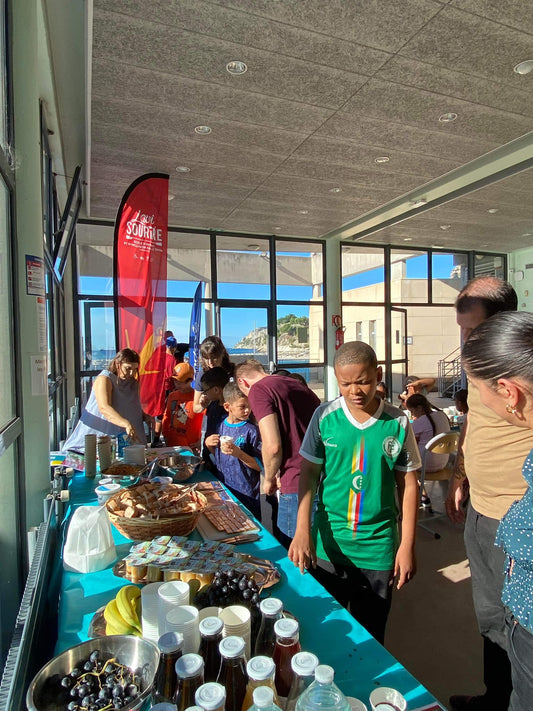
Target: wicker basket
<point>144,529</point>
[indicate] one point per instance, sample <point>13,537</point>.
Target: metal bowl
<point>179,466</point>
<point>44,692</point>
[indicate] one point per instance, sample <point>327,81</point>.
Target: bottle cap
<point>263,697</point>
<point>260,668</point>
<point>189,708</point>
<point>170,642</point>
<point>211,626</point>
<point>231,647</point>
<point>286,627</point>
<point>324,674</point>
<point>304,663</point>
<point>189,665</point>
<point>210,696</point>
<point>271,606</point>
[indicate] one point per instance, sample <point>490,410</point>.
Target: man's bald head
<point>480,299</point>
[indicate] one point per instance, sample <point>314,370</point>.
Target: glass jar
<point>211,634</point>
<point>261,672</point>
<point>166,682</point>
<point>287,645</point>
<point>232,674</point>
<point>190,673</point>
<point>271,610</point>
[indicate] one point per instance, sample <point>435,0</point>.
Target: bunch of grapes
<point>100,686</point>
<point>229,588</point>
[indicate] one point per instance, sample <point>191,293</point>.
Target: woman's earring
<point>511,410</point>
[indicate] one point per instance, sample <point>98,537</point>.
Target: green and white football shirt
<point>356,517</point>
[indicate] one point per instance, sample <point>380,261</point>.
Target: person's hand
<point>230,448</point>
<point>457,492</point>
<point>212,441</point>
<point>131,432</point>
<point>404,565</point>
<point>270,486</point>
<point>204,400</point>
<point>302,551</point>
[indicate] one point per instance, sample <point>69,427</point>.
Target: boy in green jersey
<point>365,449</point>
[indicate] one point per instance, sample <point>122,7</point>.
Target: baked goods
<point>154,501</point>
<point>229,518</point>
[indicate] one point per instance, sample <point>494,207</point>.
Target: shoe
<point>469,703</point>
<point>425,502</point>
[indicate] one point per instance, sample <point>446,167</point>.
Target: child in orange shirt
<point>181,426</point>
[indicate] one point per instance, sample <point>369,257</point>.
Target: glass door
<point>399,344</point>
<point>246,331</point>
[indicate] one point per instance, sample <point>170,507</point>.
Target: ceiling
<point>330,86</point>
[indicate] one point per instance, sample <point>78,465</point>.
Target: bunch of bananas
<point>123,613</point>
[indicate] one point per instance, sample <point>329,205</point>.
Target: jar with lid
<point>211,634</point>
<point>261,672</point>
<point>232,674</point>
<point>190,673</point>
<point>287,645</point>
<point>303,666</point>
<point>211,697</point>
<point>271,610</point>
<point>263,699</point>
<point>166,682</point>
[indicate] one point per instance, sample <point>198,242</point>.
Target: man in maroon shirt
<point>283,407</point>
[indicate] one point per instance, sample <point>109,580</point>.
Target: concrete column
<point>333,307</point>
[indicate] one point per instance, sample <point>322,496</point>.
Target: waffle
<point>229,518</point>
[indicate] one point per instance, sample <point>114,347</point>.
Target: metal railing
<point>450,374</point>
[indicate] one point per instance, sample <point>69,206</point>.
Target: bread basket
<point>156,522</point>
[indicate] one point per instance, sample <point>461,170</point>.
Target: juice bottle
<point>287,645</point>
<point>190,673</point>
<point>303,666</point>
<point>211,696</point>
<point>232,672</point>
<point>211,634</point>
<point>271,610</point>
<point>166,682</point>
<point>261,672</point>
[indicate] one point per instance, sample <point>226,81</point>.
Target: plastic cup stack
<point>237,623</point>
<point>103,447</point>
<point>150,611</point>
<point>185,619</point>
<point>171,595</point>
<point>210,612</point>
<point>135,454</point>
<point>90,456</point>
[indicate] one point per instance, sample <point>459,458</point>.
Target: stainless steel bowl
<point>44,691</point>
<point>179,466</point>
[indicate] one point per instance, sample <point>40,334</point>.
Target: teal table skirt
<point>326,628</point>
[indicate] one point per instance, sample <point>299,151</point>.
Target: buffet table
<point>326,628</point>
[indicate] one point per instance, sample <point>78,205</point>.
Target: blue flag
<point>194,334</point>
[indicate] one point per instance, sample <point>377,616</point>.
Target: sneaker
<point>469,703</point>
<point>425,502</point>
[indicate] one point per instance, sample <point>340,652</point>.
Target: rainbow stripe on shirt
<point>356,497</point>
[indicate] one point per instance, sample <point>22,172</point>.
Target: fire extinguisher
<point>339,331</point>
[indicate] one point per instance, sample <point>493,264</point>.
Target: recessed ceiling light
<point>418,202</point>
<point>202,130</point>
<point>335,190</point>
<point>277,229</point>
<point>303,212</point>
<point>524,67</point>
<point>182,169</point>
<point>171,197</point>
<point>492,210</point>
<point>236,67</point>
<point>527,234</point>
<point>447,118</point>
<point>407,239</point>
<point>255,247</point>
<point>484,245</point>
<point>436,246</point>
<point>445,227</point>
<point>382,159</point>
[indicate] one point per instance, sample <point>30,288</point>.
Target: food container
<point>133,652</point>
<point>179,466</point>
<point>104,491</point>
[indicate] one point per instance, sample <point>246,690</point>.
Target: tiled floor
<point>432,628</point>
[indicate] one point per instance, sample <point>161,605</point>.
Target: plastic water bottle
<point>303,665</point>
<point>323,694</point>
<point>263,698</point>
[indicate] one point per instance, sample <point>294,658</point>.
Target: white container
<point>135,454</point>
<point>171,594</point>
<point>384,699</point>
<point>104,491</point>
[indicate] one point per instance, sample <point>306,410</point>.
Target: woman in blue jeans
<point>498,358</point>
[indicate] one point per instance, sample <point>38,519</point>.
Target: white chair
<point>445,443</point>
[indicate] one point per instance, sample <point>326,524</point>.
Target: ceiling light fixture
<point>407,239</point>
<point>527,234</point>
<point>182,169</point>
<point>447,118</point>
<point>418,202</point>
<point>171,196</point>
<point>382,159</point>
<point>254,247</point>
<point>236,67</point>
<point>202,130</point>
<point>444,227</point>
<point>524,67</point>
<point>303,212</point>
<point>335,190</point>
<point>492,210</point>
<point>277,229</point>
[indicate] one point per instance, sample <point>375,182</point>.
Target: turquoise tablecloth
<point>326,628</point>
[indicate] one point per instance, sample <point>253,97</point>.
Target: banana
<point>126,605</point>
<point>115,623</point>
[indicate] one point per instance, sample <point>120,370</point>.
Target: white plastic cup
<point>237,623</point>
<point>356,704</point>
<point>150,611</point>
<point>185,619</point>
<point>225,441</point>
<point>171,594</point>
<point>104,491</point>
<point>386,699</point>
<point>135,454</point>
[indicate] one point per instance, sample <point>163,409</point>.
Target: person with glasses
<point>114,405</point>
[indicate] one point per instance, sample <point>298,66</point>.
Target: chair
<point>445,443</point>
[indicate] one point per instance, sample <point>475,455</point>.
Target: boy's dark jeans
<point>366,594</point>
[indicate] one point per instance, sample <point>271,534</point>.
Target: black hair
<point>462,396</point>
<point>501,347</point>
<point>355,352</point>
<point>419,400</point>
<point>232,392</point>
<point>214,377</point>
<point>492,294</point>
<point>282,371</point>
<point>384,387</point>
<point>212,347</point>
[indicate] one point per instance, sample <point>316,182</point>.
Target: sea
<point>100,358</point>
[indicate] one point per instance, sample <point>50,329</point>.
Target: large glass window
<point>366,323</point>
<point>243,268</point>
<point>7,399</point>
<point>449,275</point>
<point>363,274</point>
<point>409,276</point>
<point>299,271</point>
